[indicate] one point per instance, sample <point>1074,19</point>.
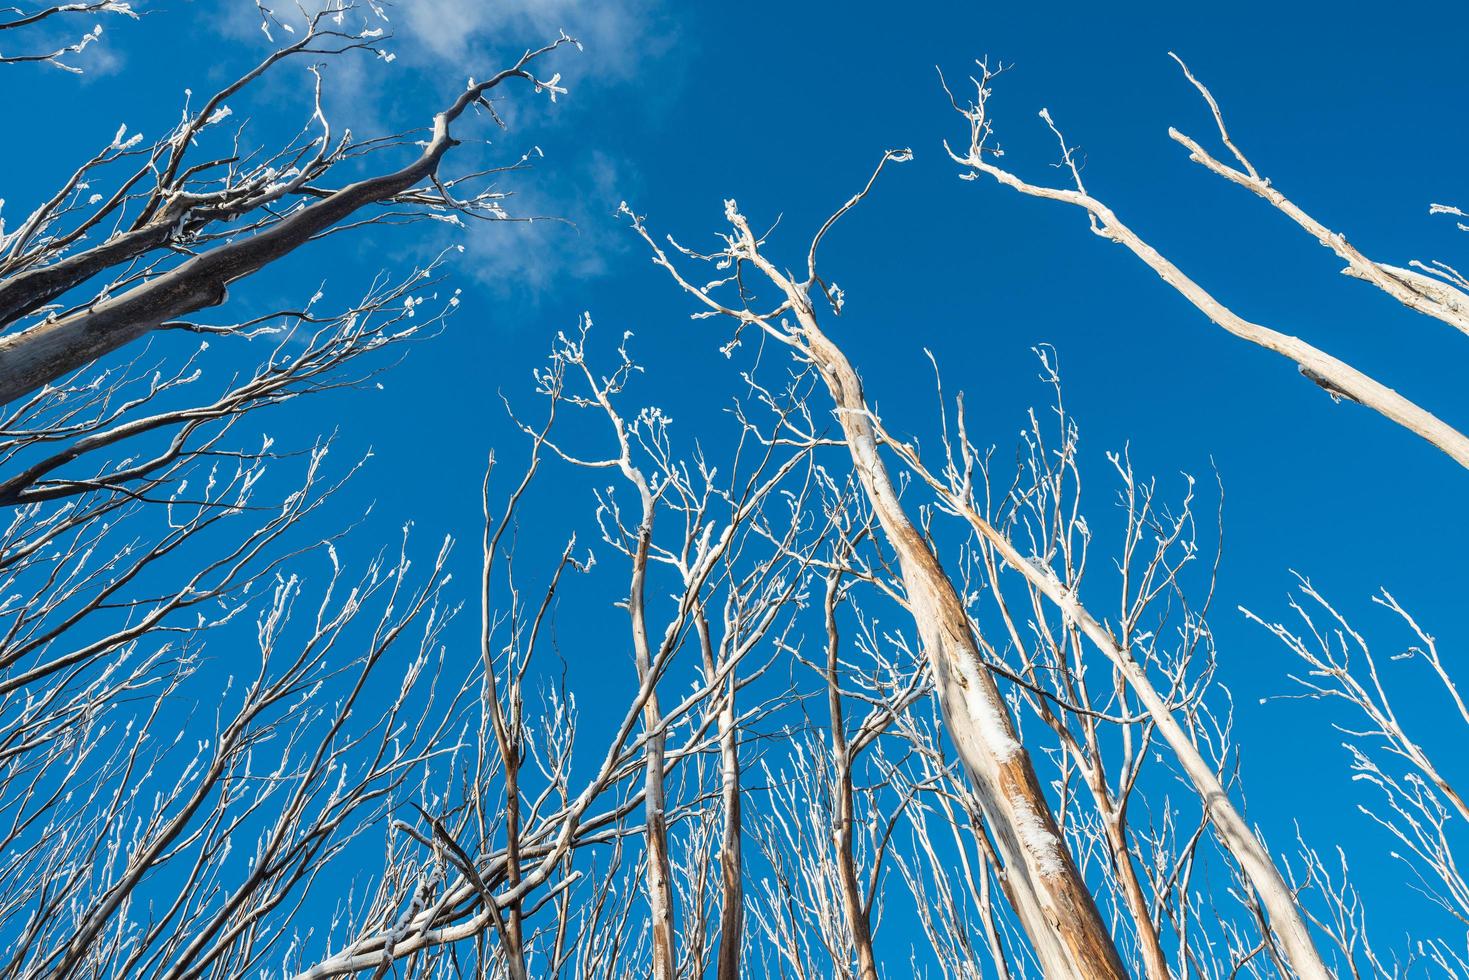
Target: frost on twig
<point>145,233</point>
<point>22,23</point>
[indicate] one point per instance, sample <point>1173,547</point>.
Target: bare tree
<point>1053,903</point>
<point>88,272</point>
<point>730,601</point>
<point>1418,805</point>
<point>153,831</point>
<point>1167,704</point>
<point>1036,773</point>
<point>504,866</point>
<point>1433,289</point>
<point>134,572</point>
<point>494,846</point>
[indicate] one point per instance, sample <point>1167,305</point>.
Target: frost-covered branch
<point>144,235</point>
<point>36,20</point>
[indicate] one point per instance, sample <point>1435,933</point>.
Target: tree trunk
<point>655,834</point>
<point>1276,896</point>
<point>1052,902</point>
<point>728,954</point>
<point>858,921</point>
<point>732,914</point>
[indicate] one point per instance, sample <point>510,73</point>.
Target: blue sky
<point>786,107</point>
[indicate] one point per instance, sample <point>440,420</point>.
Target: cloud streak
<point>616,33</point>
<point>523,258</point>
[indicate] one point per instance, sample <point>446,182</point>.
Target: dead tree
<point>1053,903</point>
<point>1435,289</point>
<point>143,236</point>
<point>140,544</point>
<point>1419,806</point>
<point>148,535</point>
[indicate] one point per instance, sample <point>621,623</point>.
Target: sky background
<point>786,107</point>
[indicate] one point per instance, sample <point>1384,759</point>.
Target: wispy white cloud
<point>618,34</point>
<point>575,186</point>
<point>524,258</point>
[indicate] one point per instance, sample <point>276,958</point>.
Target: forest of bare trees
<point>945,706</point>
